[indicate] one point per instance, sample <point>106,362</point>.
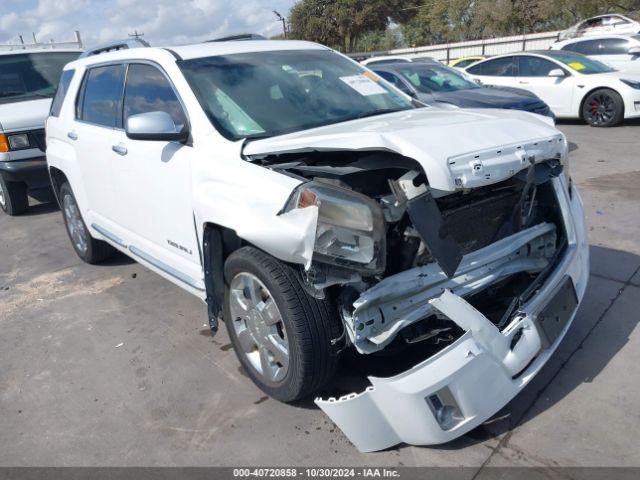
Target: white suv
<point>28,81</point>
<point>317,209</point>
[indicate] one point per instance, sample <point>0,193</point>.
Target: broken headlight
<point>350,230</point>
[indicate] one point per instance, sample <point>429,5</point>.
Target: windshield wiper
<point>13,95</point>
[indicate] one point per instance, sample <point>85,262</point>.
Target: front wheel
<point>603,108</point>
<point>13,197</point>
<point>281,334</point>
<point>88,248</point>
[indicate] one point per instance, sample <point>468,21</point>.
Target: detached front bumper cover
<point>463,385</point>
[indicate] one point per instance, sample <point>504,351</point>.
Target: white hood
<point>456,148</point>
<point>24,115</point>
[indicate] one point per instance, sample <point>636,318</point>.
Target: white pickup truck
<point>28,82</point>
<point>319,210</point>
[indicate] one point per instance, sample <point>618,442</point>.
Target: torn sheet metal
<point>397,301</point>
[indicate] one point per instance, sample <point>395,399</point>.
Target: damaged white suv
<point>322,213</point>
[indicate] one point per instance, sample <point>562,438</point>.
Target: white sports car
<point>621,52</point>
<point>573,85</point>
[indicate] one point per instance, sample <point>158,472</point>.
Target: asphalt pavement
<point>112,365</point>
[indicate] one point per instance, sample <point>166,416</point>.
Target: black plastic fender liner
<point>427,219</point>
<point>213,253</point>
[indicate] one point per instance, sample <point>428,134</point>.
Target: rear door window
<point>535,67</point>
<point>101,98</point>
<point>586,47</point>
<point>148,90</point>
<point>499,67</point>
<point>61,92</point>
<point>614,46</point>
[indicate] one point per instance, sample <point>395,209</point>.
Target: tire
<point>89,249</point>
<point>13,197</point>
<point>306,326</point>
<point>603,108</point>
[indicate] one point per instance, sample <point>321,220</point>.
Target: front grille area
<point>38,138</point>
<point>485,215</point>
<point>476,224</point>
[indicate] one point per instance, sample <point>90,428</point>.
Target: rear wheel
<point>603,108</point>
<point>280,333</point>
<point>13,197</point>
<point>88,248</point>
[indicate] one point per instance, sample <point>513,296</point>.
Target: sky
<point>163,22</point>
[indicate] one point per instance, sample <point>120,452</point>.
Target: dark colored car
<point>434,84</point>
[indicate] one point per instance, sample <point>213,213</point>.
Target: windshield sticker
<point>577,66</point>
<point>363,85</point>
<point>371,76</point>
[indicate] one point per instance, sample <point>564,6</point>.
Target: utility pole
<point>135,34</point>
<point>284,23</point>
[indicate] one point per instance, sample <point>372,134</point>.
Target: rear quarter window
<point>61,92</point>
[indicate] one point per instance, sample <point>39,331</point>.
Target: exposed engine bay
<point>492,244</point>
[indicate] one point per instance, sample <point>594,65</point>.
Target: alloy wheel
<point>601,108</point>
<point>77,230</point>
<point>259,327</point>
<point>3,198</point>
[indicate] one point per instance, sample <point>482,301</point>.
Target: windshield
<point>26,76</point>
<point>262,94</point>
<point>430,79</point>
<point>581,63</point>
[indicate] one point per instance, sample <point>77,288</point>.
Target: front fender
<point>248,199</point>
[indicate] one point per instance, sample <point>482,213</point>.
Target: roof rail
<point>239,37</point>
<point>114,46</point>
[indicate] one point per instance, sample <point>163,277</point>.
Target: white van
<point>28,82</point>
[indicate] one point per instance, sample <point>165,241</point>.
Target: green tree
<point>342,23</point>
<point>363,25</point>
<point>438,21</point>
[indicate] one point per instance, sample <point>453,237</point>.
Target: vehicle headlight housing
<point>632,83</point>
<point>350,230</point>
<point>19,141</point>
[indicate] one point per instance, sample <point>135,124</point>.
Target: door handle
<point>521,82</point>
<point>72,135</point>
<point>119,149</point>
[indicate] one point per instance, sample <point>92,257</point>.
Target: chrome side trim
<point>166,268</point>
<point>109,235</point>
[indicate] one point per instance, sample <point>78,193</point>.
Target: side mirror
<point>557,73</point>
<point>158,126</point>
<point>634,50</point>
<point>478,81</point>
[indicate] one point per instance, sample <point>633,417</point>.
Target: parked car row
<point>435,84</point>
<point>592,75</point>
<point>573,85</point>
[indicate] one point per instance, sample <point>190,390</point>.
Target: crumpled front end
<point>494,358</point>
<point>456,269</point>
